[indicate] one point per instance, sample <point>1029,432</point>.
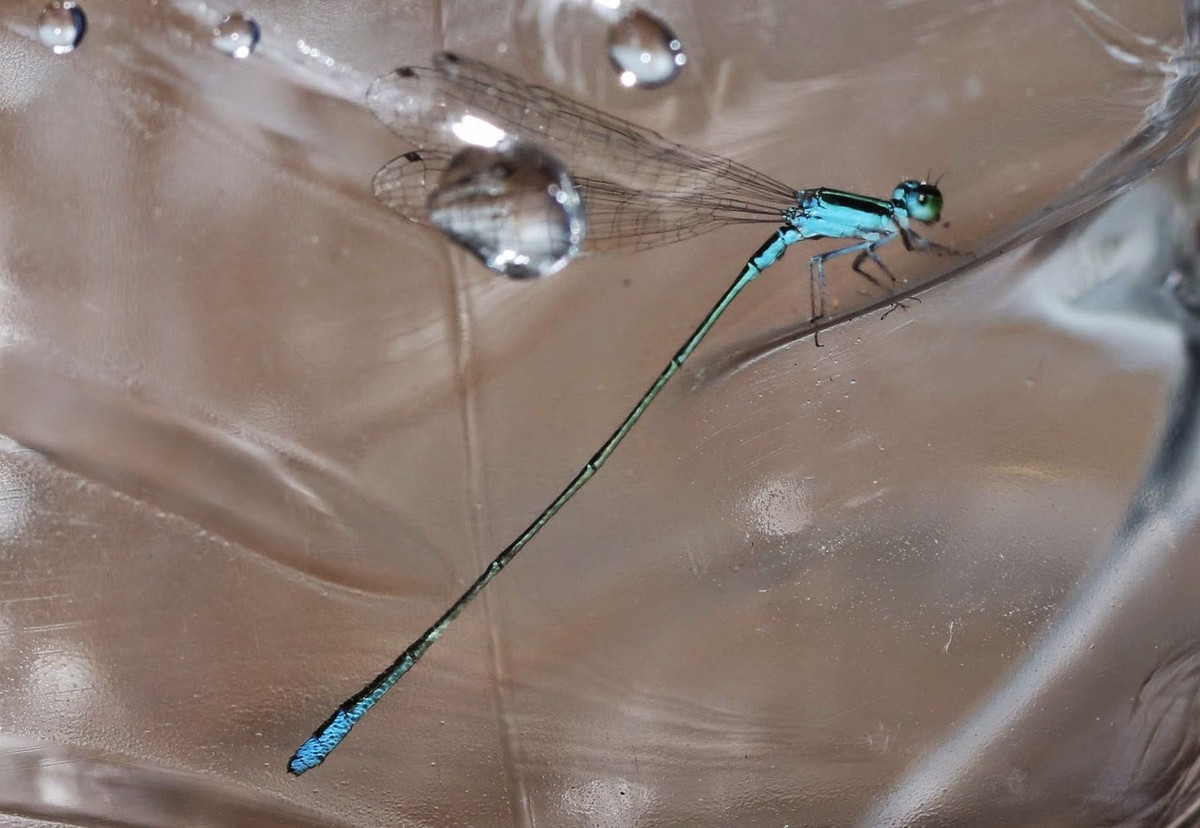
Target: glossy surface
<point>247,409</point>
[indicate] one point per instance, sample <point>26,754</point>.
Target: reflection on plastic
<point>226,264</point>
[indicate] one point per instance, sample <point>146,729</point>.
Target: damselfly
<point>639,190</point>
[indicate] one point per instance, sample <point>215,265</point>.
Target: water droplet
<point>236,35</point>
<point>61,26</point>
<point>644,50</point>
<point>514,207</point>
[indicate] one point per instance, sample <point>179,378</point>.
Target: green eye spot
<point>921,200</point>
<point>923,203</point>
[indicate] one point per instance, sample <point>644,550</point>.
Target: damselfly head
<point>921,200</point>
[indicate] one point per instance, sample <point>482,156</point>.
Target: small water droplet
<point>514,207</point>
<point>236,35</point>
<point>61,26</point>
<point>644,50</point>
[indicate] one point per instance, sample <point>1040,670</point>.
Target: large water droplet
<point>514,207</point>
<point>61,26</point>
<point>236,35</point>
<point>644,50</point>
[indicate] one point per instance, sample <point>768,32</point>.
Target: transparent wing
<point>640,189</point>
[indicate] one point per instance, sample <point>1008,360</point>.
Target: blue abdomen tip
<point>320,744</point>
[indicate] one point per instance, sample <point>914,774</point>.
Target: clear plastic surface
<point>258,431</point>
